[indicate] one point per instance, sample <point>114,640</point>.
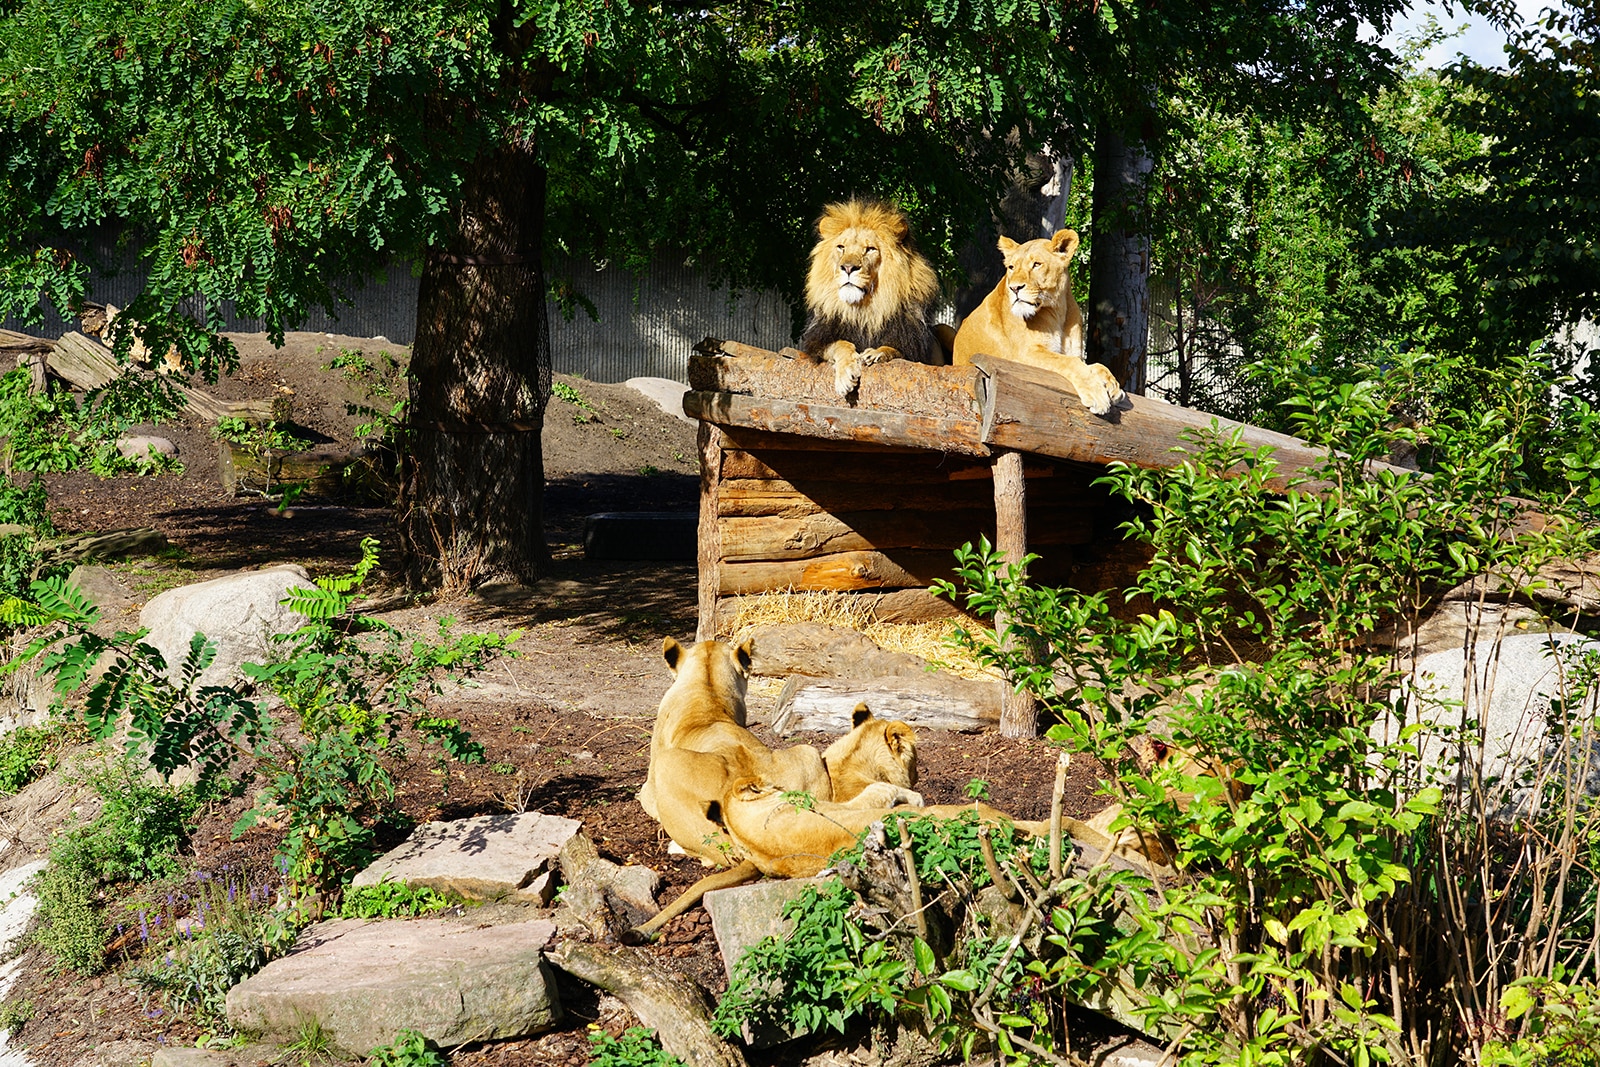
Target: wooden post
<point>1019,713</point>
<point>709,541</point>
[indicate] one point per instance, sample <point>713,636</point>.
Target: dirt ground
<point>565,722</point>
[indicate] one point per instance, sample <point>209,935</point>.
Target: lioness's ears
<point>1065,241</point>
<point>900,738</point>
<point>1006,244</point>
<point>860,715</point>
<point>745,653</point>
<point>671,651</point>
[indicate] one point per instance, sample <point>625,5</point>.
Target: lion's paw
<point>1099,390</point>
<point>887,795</point>
<point>847,374</point>
<point>874,356</point>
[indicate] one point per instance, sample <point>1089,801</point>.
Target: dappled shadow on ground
<point>234,537</point>
<point>627,601</point>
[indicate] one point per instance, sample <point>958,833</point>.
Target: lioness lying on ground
<point>699,744</point>
<point>1031,318</point>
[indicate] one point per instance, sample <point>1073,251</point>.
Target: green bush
<point>1325,893</point>
<point>228,931</point>
<point>50,431</point>
<point>30,752</point>
<point>409,1049</point>
<point>391,900</point>
<point>352,683</point>
<point>137,837</point>
<point>636,1047</point>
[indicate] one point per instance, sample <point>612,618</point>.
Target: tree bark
<point>1119,265</point>
<point>480,378</point>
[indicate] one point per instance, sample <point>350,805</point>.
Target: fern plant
<point>353,684</point>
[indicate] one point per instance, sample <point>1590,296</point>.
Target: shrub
<point>391,900</point>
<point>30,752</point>
<point>228,931</point>
<point>136,837</point>
<point>1328,903</point>
<point>636,1047</point>
<point>409,1049</point>
<point>352,683</point>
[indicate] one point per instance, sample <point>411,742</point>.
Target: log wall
<point>790,512</point>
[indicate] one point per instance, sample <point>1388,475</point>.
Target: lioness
<point>1031,318</point>
<point>699,743</point>
<point>869,293</point>
<point>786,837</point>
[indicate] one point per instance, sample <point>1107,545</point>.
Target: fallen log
<point>829,422</point>
<point>912,388</point>
<point>86,364</point>
<point>664,1000</point>
<point>938,701</point>
<point>141,541</point>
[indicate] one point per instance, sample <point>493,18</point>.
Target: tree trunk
<point>1119,267</point>
<point>480,378</point>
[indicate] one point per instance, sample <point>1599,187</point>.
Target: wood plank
<point>753,440</point>
<point>1034,411</point>
<point>825,422</point>
<point>902,468</point>
<point>905,568</point>
<point>752,497</point>
<point>709,538</point>
<point>896,605</point>
<point>896,386</point>
<point>775,537</point>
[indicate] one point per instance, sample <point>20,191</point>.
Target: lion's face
<point>864,266</point>
<point>875,750</point>
<point>856,258</point>
<point>1038,273</point>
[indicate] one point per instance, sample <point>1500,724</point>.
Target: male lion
<point>869,292</point>
<point>1031,318</point>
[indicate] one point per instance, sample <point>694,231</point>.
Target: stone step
<point>364,982</point>
<point>491,857</point>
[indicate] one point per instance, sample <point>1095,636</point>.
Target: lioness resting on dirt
<point>1031,318</point>
<point>789,838</point>
<point>699,744</point>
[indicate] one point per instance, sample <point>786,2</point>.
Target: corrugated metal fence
<point>646,324</point>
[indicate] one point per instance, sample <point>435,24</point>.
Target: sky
<point>1481,42</point>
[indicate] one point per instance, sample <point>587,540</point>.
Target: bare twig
<point>913,882</point>
<point>1063,761</point>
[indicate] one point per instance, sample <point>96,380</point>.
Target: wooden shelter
<point>800,490</point>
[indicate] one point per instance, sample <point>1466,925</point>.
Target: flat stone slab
<point>491,857</point>
<point>665,393</point>
<point>244,1056</point>
<point>742,917</point>
<point>364,982</point>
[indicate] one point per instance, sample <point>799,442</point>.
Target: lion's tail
<point>646,933</point>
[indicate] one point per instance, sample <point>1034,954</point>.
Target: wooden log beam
<point>825,422</point>
<point>1035,411</point>
<point>898,385</point>
<point>1019,712</point>
<point>842,571</point>
<point>709,538</point>
<point>874,467</point>
<point>800,537</point>
<point>774,496</point>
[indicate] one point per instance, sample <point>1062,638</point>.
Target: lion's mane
<point>895,312</point>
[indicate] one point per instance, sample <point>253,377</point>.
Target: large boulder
<point>743,917</point>
<point>491,857</point>
<point>240,612</point>
<point>1522,707</point>
<point>364,982</point>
